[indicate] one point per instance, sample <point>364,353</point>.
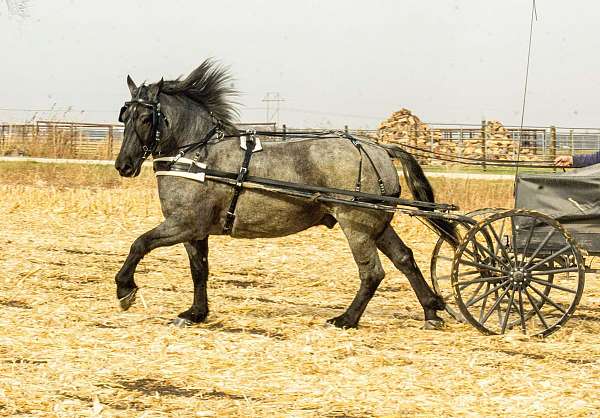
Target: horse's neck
<point>190,124</point>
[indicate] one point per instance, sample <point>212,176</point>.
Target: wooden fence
<point>70,139</point>
<point>103,141</point>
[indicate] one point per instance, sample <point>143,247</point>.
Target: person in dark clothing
<point>582,160</point>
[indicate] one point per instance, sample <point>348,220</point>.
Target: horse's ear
<point>131,85</point>
<point>154,90</point>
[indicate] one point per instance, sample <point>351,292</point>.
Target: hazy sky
<point>334,62</point>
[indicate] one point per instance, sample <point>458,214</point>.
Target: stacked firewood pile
<point>406,128</point>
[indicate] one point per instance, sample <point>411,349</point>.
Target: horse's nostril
<point>124,169</point>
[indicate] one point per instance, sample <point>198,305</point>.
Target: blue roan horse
<point>192,120</point>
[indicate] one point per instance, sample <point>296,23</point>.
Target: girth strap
<point>237,188</point>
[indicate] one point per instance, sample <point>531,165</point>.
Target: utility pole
<point>272,100</point>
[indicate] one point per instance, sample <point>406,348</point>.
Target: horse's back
<point>330,162</point>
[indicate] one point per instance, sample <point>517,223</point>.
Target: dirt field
<point>67,350</point>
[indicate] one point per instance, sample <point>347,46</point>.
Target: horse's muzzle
<point>127,169</point>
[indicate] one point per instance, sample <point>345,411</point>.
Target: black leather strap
<point>362,150</point>
<point>237,188</point>
<point>213,174</point>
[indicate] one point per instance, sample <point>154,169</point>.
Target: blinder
<point>156,116</point>
<point>123,110</point>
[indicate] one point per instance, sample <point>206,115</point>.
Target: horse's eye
<point>146,119</point>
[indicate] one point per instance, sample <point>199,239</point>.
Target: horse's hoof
<point>181,322</point>
<point>433,324</point>
<point>342,322</point>
<point>126,301</point>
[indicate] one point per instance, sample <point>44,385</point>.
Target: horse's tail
<point>421,190</point>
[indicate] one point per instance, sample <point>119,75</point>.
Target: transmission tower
<point>272,100</point>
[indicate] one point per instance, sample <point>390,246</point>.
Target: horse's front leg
<point>170,232</point>
<point>198,255</point>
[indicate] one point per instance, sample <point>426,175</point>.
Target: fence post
<point>79,142</point>
<point>460,142</point>
<point>346,129</point>
<point>483,145</point>
<point>109,146</point>
<point>572,142</point>
<point>54,132</point>
<point>284,132</point>
<point>553,144</point>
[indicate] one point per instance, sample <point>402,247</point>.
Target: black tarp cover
<point>572,198</point>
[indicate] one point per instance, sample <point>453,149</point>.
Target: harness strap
<point>237,188</point>
<point>362,150</point>
<point>379,180</point>
<point>358,179</point>
<point>215,175</point>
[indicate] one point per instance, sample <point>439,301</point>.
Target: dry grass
<point>66,350</point>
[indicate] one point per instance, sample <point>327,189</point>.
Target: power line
<point>55,110</point>
<point>273,97</point>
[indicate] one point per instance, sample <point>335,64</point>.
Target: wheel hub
<point>519,278</point>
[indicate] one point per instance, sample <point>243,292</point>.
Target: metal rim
<point>519,275</point>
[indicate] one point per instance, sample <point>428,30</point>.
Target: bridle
<point>157,115</point>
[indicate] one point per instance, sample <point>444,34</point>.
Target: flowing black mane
<point>210,86</point>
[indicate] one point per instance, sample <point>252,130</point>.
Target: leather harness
<point>195,170</point>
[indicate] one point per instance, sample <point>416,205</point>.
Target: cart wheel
<point>531,276</point>
<point>440,268</point>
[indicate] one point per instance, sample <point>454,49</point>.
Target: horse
<point>169,118</point>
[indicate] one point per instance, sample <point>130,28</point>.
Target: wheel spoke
<point>462,274</point>
<point>554,271</point>
<point>535,308</point>
<point>475,292</point>
<point>501,232</point>
<point>551,257</point>
<point>494,306</point>
<point>499,241</point>
<point>482,266</point>
<point>527,242</point>
<point>481,280</point>
<point>471,254</point>
<point>498,259</point>
<point>552,285</point>
<point>487,293</point>
<point>513,232</point>
<point>547,299</point>
<point>540,246</point>
<point>522,312</point>
<point>482,310</point>
<point>508,308</point>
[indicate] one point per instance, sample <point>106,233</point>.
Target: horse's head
<point>143,122</point>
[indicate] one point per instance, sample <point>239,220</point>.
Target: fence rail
<point>102,141</point>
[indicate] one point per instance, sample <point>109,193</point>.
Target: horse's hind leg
<point>198,255</point>
<point>371,273</point>
<point>392,246</point>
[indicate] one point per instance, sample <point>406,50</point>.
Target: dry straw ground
<point>66,349</point>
